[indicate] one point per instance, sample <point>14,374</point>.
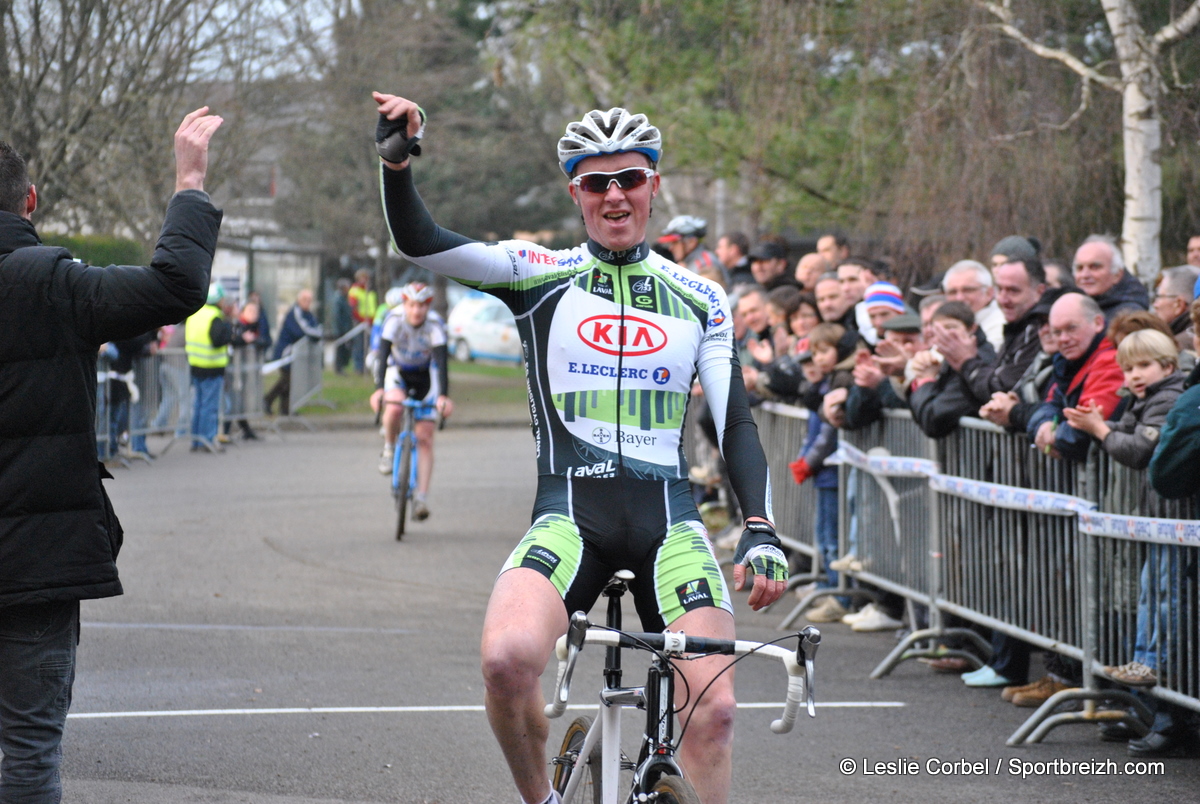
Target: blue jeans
<point>206,408</point>
<point>37,657</point>
<point>826,526</point>
<point>1158,607</point>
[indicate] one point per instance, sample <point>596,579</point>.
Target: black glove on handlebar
<point>392,141</point>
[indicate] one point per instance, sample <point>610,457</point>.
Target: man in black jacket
<point>1019,285</point>
<point>59,536</point>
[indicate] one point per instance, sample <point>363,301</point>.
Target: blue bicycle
<point>404,463</point>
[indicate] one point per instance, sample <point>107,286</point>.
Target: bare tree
<point>1141,85</point>
<point>90,91</point>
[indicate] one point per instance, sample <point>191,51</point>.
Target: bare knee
<point>511,666</point>
<point>712,720</point>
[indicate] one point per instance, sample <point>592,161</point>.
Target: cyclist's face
<point>616,219</point>
<point>415,312</point>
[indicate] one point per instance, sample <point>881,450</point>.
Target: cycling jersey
<point>612,342</point>
<point>412,347</point>
<point>411,353</point>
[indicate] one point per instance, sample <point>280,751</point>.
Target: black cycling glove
<point>391,138</point>
<point>759,549</point>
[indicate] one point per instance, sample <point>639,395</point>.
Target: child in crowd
<point>1149,361</point>
<point>831,347</point>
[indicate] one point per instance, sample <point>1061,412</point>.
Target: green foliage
<point>914,124</point>
<point>100,250</point>
<point>475,150</point>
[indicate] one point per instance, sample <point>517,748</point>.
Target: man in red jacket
<point>1085,370</point>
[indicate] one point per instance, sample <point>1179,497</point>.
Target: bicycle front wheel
<point>564,765</point>
<point>674,790</point>
<point>402,481</point>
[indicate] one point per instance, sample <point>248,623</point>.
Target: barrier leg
<point>905,649</point>
<point>1041,722</point>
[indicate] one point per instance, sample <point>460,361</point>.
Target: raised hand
<point>191,148</point>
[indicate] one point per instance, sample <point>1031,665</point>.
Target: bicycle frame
<point>657,753</point>
<point>408,434</point>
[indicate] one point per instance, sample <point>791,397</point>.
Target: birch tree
<point>1141,84</point>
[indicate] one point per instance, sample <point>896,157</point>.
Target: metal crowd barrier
<point>160,401</point>
<point>786,427</point>
<point>244,385</point>
<point>1080,559</point>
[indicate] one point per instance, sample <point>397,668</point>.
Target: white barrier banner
<point>887,465</point>
<point>1141,528</point>
<point>1042,502</point>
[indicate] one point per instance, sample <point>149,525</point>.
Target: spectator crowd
<point>1068,354</point>
<point>199,378</point>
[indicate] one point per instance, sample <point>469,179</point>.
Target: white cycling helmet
<point>394,297</point>
<point>613,132</point>
<point>417,291</point>
<point>684,226</point>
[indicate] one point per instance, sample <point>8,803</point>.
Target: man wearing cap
<point>883,302</point>
<point>1019,285</point>
<point>684,236</point>
<point>879,382</point>
<point>769,264</point>
<point>1100,272</point>
<point>1015,247</point>
<point>208,335</point>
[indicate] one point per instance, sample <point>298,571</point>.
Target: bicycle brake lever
<point>810,640</point>
<point>576,633</point>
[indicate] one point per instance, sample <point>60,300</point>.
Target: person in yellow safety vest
<point>363,303</point>
<point>207,334</point>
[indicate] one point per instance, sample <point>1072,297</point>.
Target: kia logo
<point>634,337</point>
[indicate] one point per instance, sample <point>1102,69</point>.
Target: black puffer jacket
<point>58,535</point>
<point>937,406</point>
<point>1127,294</point>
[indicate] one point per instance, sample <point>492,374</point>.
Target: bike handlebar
<point>799,662</point>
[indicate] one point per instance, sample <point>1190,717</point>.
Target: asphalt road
<point>267,579</point>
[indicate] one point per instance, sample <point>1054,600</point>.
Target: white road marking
<point>218,627</point>
<point>342,710</point>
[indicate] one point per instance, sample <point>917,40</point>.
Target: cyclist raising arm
<point>412,342</point>
<point>613,336</point>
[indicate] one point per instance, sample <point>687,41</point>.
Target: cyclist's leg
<point>549,573</point>
<point>424,430</point>
<point>392,414</point>
<point>524,618</point>
<point>691,596</point>
<point>706,751</point>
